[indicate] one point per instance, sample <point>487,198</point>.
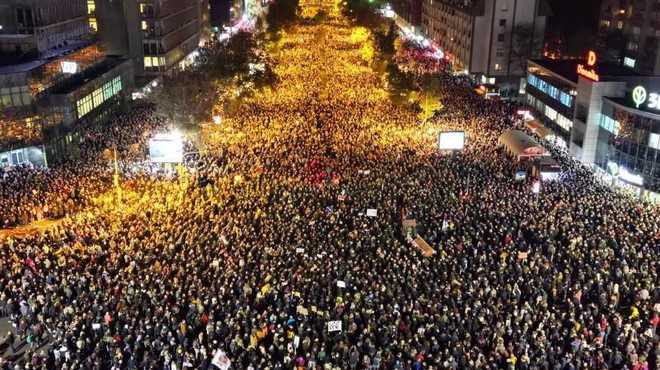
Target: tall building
<point>409,13</point>
<point>639,22</point>
<point>53,77</point>
<point>220,11</point>
<point>53,21</point>
<point>491,39</point>
<point>157,35</point>
<point>606,115</point>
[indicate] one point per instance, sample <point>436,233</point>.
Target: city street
<point>282,246</point>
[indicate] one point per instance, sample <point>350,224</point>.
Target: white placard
<point>341,284</point>
<point>372,212</point>
<point>334,326</point>
<point>221,360</point>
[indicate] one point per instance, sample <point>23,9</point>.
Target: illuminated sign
<point>591,59</point>
<point>452,140</point>
<point>620,172</point>
<point>630,177</point>
<point>640,96</point>
<point>166,148</point>
<point>69,67</point>
<point>590,70</point>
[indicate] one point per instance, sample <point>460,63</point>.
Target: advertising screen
<point>69,67</point>
<point>452,140</point>
<point>166,149</point>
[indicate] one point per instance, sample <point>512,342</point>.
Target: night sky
<point>573,15</point>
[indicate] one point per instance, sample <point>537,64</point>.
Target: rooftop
<point>90,74</point>
<point>568,68</point>
<point>49,55</point>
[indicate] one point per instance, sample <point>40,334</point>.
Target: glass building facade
<point>629,145</point>
<point>553,100</point>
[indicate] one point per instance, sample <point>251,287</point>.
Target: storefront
<point>628,148</point>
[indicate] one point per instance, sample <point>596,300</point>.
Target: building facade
<point>606,115</point>
<point>629,142</point>
<point>409,13</point>
<point>157,35</point>
<point>52,21</point>
<point>53,78</point>
<point>43,101</point>
<point>489,38</point>
<point>639,24</point>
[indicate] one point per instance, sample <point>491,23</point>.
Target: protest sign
<point>334,326</point>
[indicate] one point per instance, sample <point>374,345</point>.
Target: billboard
<point>166,148</point>
<point>452,140</point>
<point>69,67</point>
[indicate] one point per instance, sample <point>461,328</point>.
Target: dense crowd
<point>266,240</point>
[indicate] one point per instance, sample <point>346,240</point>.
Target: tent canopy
<point>538,128</point>
<point>521,144</point>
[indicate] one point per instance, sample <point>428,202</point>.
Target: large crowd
<point>266,240</point>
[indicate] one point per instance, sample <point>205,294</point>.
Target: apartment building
<point>639,23</point>
<point>157,35</point>
<point>52,21</point>
<point>491,39</point>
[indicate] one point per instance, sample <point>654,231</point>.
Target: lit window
<point>143,8</point>
<point>97,97</point>
<point>498,67</point>
<point>147,61</point>
<point>144,26</point>
<point>93,25</point>
<point>606,23</point>
<point>116,85</point>
<point>91,7</point>
<point>619,24</point>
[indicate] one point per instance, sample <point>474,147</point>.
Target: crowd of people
<point>264,248</point>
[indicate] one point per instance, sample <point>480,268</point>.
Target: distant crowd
<point>264,250</point>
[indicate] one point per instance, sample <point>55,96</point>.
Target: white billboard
<point>166,148</point>
<point>452,140</point>
<point>69,67</point>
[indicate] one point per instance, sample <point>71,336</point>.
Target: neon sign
<point>641,96</point>
<point>590,70</point>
